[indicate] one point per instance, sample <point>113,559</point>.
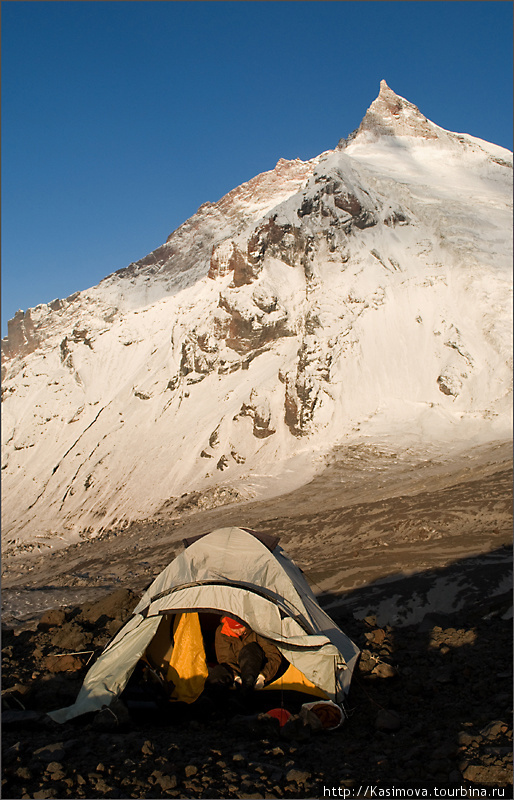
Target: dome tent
<point>228,571</point>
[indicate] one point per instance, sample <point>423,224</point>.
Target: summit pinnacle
<point>393,115</point>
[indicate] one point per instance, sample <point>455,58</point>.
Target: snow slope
<point>362,294</point>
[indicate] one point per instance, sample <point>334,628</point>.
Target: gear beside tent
<point>229,571</point>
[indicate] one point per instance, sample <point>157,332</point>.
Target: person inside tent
<point>244,658</point>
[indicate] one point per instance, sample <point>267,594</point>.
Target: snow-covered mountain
<point>363,293</point>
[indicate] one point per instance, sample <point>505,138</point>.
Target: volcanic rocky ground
<point>411,556</point>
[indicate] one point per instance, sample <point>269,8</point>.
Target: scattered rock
<point>64,663</point>
<point>488,776</point>
<point>464,738</point>
<point>384,670</point>
<point>51,619</point>
<point>16,697</point>
<point>55,769</point>
<point>117,605</point>
<point>51,752</point>
<point>494,729</point>
<point>24,773</point>
<point>367,662</point>
<point>71,636</point>
<point>297,776</point>
<point>377,636</point>
<point>167,782</point>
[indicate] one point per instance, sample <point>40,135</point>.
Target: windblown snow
<point>360,295</point>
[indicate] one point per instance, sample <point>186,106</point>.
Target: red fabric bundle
<point>282,714</point>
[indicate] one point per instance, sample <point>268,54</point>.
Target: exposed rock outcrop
<point>248,324</point>
<point>259,409</point>
<point>22,337</point>
<point>226,257</point>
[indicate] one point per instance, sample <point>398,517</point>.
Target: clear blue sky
<point>121,118</point>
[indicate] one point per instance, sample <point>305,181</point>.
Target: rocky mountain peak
<point>393,115</point>
<point>360,294</point>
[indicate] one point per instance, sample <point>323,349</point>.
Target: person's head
<point>232,627</point>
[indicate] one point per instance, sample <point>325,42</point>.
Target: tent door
<point>177,652</point>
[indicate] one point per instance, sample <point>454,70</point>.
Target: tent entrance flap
<point>177,651</point>
<point>293,680</point>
